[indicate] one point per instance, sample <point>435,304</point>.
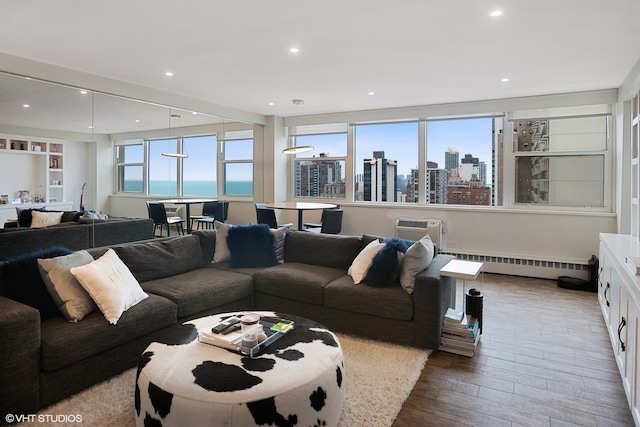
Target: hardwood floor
<point>544,359</point>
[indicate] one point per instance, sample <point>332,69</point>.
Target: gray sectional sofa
<point>42,362</point>
<point>74,235</point>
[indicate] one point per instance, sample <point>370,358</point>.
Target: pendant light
<point>175,155</point>
<point>299,148</point>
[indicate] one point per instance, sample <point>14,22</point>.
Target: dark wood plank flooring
<point>544,359</point>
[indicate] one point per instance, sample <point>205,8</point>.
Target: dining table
<point>187,203</point>
<point>300,207</point>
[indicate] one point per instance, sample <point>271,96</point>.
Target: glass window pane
<point>461,163</point>
<point>385,156</point>
<point>131,153</point>
<point>239,149</point>
<point>554,135</point>
<point>319,178</point>
<point>238,179</point>
<point>327,145</point>
<point>560,180</point>
<point>163,171</point>
<point>199,168</point>
<point>130,179</point>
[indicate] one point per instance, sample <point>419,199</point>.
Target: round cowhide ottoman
<point>297,381</point>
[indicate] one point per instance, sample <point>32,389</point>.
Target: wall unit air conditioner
<point>415,229</point>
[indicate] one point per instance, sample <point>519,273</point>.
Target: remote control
<point>231,328</point>
<point>225,324</point>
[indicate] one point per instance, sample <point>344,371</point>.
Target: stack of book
<point>460,333</point>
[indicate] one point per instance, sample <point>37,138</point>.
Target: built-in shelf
<point>48,167</point>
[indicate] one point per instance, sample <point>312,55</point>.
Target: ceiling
<point>409,52</point>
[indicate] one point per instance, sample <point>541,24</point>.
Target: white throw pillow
<point>111,285</point>
<point>222,253</point>
<point>279,237</point>
<point>415,260</point>
<point>69,295</point>
<point>362,262</point>
<point>45,219</point>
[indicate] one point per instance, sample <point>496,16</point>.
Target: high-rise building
<point>451,159</point>
<point>319,178</point>
<point>380,176</point>
<point>436,184</point>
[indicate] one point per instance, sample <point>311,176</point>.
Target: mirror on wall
<point>56,141</point>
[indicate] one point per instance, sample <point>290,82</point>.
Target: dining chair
<point>159,216</point>
<point>265,215</point>
<point>208,213</point>
<point>331,222</point>
<point>319,224</point>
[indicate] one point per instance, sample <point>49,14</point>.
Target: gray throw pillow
<point>416,259</point>
<point>70,297</point>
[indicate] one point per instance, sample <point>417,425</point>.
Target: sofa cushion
<point>221,253</point>
<point>251,246</point>
<point>337,251</point>
<point>416,259</point>
<point>110,284</point>
<point>70,297</point>
<point>207,244</point>
<point>295,281</point>
<point>392,303</point>
<point>385,266</point>
<point>201,289</point>
<point>361,264</point>
<point>25,216</point>
<point>64,343</point>
<point>152,260</point>
<point>45,219</point>
<point>21,281</point>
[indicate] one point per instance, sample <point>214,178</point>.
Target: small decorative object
<point>250,331</point>
<point>4,199</point>
<point>24,196</point>
<point>22,146</point>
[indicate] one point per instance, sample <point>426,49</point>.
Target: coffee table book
<point>273,327</point>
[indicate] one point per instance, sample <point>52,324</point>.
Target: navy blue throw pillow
<point>385,267</point>
<point>251,246</point>
<point>21,281</point>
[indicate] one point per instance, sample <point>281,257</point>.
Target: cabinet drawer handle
<point>605,293</point>
<point>622,324</point>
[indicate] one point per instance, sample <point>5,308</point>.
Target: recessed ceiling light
<point>504,80</point>
<point>26,105</point>
<point>372,93</point>
<point>294,50</point>
<point>83,92</point>
<point>496,13</point>
<point>137,120</point>
<point>91,127</point>
<point>168,74</point>
<point>272,104</point>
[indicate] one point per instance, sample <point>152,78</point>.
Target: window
<point>237,164</point>
<point>561,161</point>
<point>386,162</point>
<point>199,169</point>
<point>130,168</point>
<point>197,174</point>
<point>461,161</point>
<point>321,172</point>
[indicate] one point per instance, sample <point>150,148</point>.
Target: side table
<point>462,270</point>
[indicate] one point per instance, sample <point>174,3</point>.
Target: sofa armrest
<point>432,296</point>
<point>19,358</point>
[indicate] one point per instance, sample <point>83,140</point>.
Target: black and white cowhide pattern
<point>297,381</point>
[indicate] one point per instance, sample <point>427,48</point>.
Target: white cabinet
<point>45,158</point>
<point>619,296</point>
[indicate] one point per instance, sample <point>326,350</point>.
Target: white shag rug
<point>379,378</point>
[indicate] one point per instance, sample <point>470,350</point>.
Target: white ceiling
<point>409,52</point>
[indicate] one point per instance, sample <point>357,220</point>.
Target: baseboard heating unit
<point>544,269</point>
